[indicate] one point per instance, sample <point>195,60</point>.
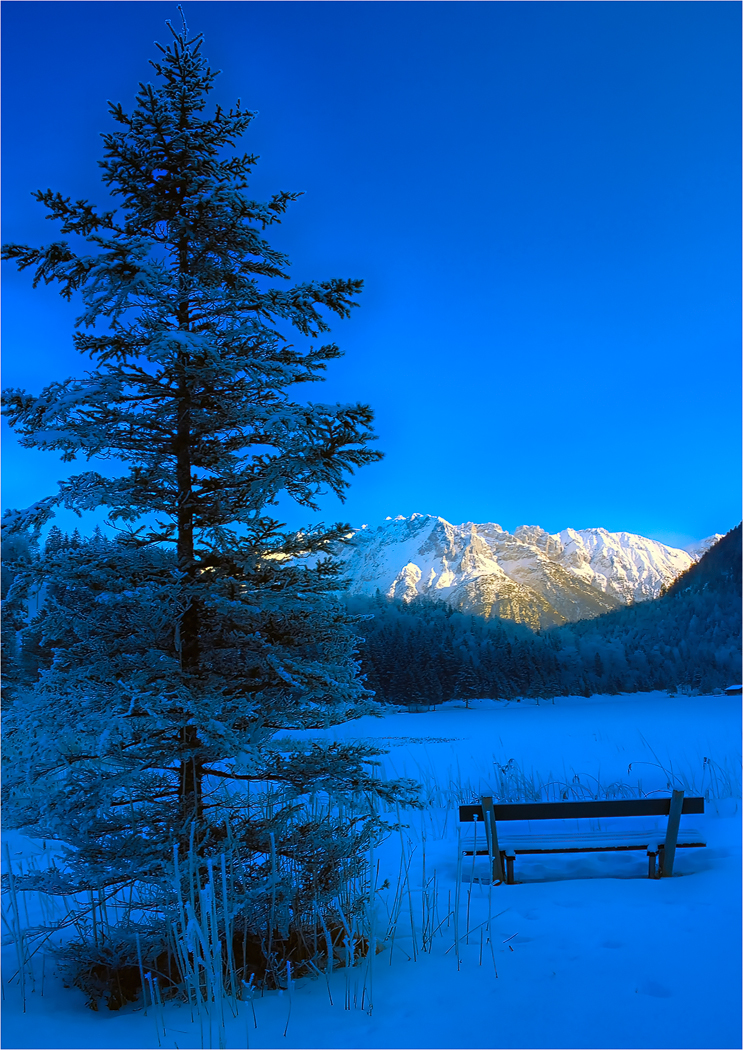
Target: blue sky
<point>542,200</point>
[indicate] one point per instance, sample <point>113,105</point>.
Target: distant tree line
<point>423,652</point>
<point>689,639</point>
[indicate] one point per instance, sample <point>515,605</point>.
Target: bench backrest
<point>620,807</point>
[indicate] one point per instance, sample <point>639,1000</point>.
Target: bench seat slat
<point>583,842</point>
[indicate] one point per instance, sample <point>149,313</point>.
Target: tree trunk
<point>190,778</point>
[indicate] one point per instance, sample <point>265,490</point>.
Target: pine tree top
<point>182,312</point>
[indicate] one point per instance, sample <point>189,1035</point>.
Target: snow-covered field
<point>584,951</point>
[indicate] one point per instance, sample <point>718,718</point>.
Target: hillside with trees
<point>689,639</point>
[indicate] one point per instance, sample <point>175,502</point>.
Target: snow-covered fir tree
<point>166,662</point>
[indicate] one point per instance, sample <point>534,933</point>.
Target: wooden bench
<point>502,847</point>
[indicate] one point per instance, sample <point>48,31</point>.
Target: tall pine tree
<point>173,656</point>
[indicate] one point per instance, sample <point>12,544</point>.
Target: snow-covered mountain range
<point>530,575</point>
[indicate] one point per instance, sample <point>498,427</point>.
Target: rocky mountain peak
<point>530,575</point>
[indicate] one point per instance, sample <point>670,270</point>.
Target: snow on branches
<point>161,665</point>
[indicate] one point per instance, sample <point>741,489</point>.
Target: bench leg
<point>669,846</point>
<point>661,858</point>
<point>503,865</point>
<point>499,867</point>
<point>652,863</point>
<point>510,858</point>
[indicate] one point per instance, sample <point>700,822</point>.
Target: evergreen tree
<point>55,539</point>
<point>172,656</point>
<point>598,665</point>
<point>465,687</point>
<point>19,551</point>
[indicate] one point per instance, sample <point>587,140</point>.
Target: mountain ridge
<point>530,576</point>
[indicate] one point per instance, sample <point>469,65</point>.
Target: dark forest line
<point>423,652</point>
